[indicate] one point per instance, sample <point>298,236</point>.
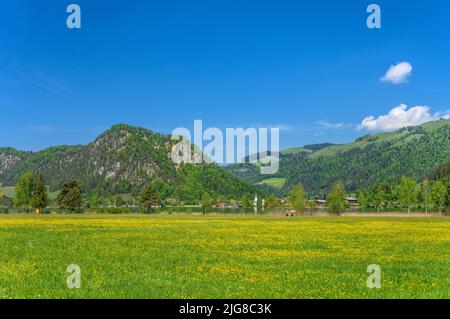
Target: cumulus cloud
<point>398,73</point>
<point>399,117</point>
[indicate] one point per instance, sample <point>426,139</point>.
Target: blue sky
<point>311,67</point>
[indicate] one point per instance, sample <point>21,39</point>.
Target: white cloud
<point>398,73</point>
<point>399,117</point>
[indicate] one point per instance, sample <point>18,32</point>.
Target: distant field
<point>185,256</point>
<point>274,182</point>
<point>9,191</point>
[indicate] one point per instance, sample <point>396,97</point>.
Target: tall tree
<point>362,201</point>
<point>425,196</point>
<point>206,203</point>
<point>120,202</point>
<point>1,195</point>
<point>336,198</point>
<point>297,198</point>
<point>40,196</point>
<point>24,190</point>
<point>407,194</point>
<point>271,203</point>
<point>447,201</point>
<point>379,197</point>
<point>312,205</point>
<point>150,198</point>
<point>245,202</point>
<point>95,201</point>
<point>438,195</point>
<point>70,197</point>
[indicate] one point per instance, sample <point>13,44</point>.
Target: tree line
<point>31,191</point>
<point>406,194</point>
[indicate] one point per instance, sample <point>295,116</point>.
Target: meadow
<point>218,256</point>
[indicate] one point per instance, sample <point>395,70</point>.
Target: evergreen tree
<point>70,196</point>
<point>336,198</point>
<point>40,196</point>
<point>407,195</point>
<point>297,198</point>
<point>24,190</point>
<point>150,198</point>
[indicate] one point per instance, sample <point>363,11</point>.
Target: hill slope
<point>371,159</point>
<point>122,160</point>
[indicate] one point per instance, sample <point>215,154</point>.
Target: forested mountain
<point>122,160</point>
<point>440,172</point>
<point>9,157</point>
<point>369,160</point>
<point>125,158</point>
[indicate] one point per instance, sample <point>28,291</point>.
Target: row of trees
<point>336,202</point>
<point>407,194</point>
<point>31,191</point>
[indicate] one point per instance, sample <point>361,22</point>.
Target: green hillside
<point>122,161</point>
<point>440,172</point>
<point>295,150</point>
<point>369,160</point>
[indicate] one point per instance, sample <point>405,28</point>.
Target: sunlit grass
<point>274,182</point>
<point>183,256</point>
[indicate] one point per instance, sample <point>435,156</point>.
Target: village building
<point>321,202</point>
<point>351,201</point>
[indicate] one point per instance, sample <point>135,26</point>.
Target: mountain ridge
<point>369,160</point>
<point>123,159</point>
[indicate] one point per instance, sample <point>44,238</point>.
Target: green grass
<point>274,182</point>
<point>296,150</point>
<point>183,256</point>
<point>397,138</point>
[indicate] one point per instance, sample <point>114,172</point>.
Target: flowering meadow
<point>223,256</point>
